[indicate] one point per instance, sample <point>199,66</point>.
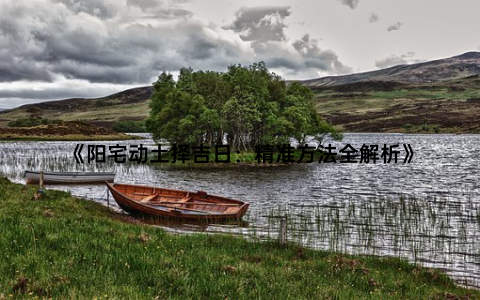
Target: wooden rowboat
<point>182,205</point>
<point>69,177</point>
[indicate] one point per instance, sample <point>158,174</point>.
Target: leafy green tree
<point>303,117</point>
<point>161,88</point>
<point>245,106</point>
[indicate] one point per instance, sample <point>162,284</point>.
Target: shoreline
<point>67,138</point>
<point>62,246</point>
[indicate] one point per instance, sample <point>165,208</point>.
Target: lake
<point>427,211</point>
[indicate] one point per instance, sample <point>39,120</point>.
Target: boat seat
<point>185,199</point>
<point>231,210</point>
<point>148,198</point>
<point>141,194</point>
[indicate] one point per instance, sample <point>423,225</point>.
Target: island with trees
<point>243,107</point>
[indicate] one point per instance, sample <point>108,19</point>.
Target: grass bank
<point>64,247</point>
<point>42,129</point>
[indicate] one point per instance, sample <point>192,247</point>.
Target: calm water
<point>427,211</point>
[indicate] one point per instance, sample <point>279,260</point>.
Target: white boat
<point>69,177</point>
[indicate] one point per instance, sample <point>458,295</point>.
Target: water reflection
<point>354,208</point>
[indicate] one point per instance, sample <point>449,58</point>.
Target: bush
<point>425,128</point>
<point>31,122</point>
<point>129,126</point>
<point>408,127</point>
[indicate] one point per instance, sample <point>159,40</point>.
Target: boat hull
<point>69,177</point>
<point>188,211</point>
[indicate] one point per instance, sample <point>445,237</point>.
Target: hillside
<point>435,71</point>
<point>62,131</point>
<point>436,96</point>
<point>131,104</point>
<point>451,106</point>
<point>439,96</point>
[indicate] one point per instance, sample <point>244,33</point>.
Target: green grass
<point>424,128</point>
<point>354,105</point>
<point>423,94</point>
<point>110,113</point>
<point>452,106</point>
<point>63,247</point>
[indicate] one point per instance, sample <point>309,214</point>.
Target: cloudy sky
<point>56,49</point>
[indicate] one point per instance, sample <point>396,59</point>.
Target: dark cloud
<point>373,18</point>
<point>24,70</point>
<point>395,26</point>
<point>73,40</point>
<point>25,93</point>
<point>265,28</point>
<point>52,93</point>
<point>110,43</point>
<point>198,48</point>
<point>205,50</point>
<point>303,56</point>
<point>46,37</point>
<point>314,57</point>
<point>351,3</point>
<point>394,60</point>
<point>261,24</point>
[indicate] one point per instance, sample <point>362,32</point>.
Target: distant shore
<point>62,131</point>
<point>68,137</point>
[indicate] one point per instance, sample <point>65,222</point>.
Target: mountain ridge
<point>460,66</point>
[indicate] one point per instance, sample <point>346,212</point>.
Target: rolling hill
<point>434,71</point>
<point>436,96</point>
<point>131,104</point>
<point>450,106</point>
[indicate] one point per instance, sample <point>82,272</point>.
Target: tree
<point>161,88</point>
<point>303,117</point>
<point>246,106</point>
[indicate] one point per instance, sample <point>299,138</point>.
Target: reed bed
<point>429,231</point>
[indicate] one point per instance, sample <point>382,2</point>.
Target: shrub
<point>129,126</point>
<point>31,122</point>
